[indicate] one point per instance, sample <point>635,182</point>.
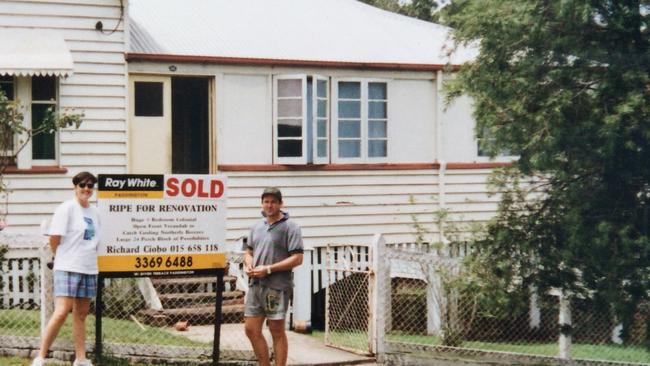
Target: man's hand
<point>248,262</point>
<point>258,272</point>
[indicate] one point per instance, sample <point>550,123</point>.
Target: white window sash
<point>55,103</point>
<point>315,138</point>
<point>364,158</point>
<point>290,160</point>
<point>379,159</point>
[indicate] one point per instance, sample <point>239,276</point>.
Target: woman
<point>73,238</point>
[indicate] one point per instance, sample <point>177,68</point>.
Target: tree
<point>421,9</point>
<point>566,85</point>
<point>12,126</point>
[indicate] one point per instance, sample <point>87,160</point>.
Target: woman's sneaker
<point>85,362</point>
<point>38,361</point>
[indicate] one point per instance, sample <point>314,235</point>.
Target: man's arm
<point>55,240</point>
<point>287,264</point>
<point>248,261</point>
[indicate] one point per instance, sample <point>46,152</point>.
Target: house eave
<point>244,61</point>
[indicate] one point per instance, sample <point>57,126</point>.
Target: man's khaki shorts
<point>267,302</point>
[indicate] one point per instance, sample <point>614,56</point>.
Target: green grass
<point>584,351</point>
<point>14,361</point>
<point>27,323</point>
<point>603,352</point>
<point>358,341</point>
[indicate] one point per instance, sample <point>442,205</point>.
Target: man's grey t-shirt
<point>274,243</point>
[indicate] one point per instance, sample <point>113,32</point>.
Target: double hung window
<point>7,86</point>
<point>361,127</point>
<point>301,119</point>
<point>43,104</point>
<point>303,109</point>
<point>38,98</point>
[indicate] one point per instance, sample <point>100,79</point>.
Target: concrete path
<point>303,349</point>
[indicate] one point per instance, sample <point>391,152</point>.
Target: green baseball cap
<point>273,191</point>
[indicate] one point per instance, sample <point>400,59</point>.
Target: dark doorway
<point>190,125</point>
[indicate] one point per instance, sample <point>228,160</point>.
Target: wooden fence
<point>21,278</point>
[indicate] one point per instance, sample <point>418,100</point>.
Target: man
<point>273,249</point>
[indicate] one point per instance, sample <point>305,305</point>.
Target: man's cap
<point>273,191</point>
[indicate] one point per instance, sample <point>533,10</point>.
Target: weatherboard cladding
<point>332,206</point>
<point>96,87</point>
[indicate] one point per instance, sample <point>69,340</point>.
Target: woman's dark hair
<point>84,177</point>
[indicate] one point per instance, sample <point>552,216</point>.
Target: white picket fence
<point>21,278</point>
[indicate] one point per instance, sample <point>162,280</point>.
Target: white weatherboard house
<point>338,103</point>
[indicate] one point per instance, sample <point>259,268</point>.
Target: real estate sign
<point>154,225</point>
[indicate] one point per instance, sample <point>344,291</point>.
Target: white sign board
<point>161,224</point>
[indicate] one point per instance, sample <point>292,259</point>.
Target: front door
<point>150,130</point>
<point>190,125</point>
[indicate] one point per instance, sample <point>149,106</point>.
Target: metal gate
<point>349,288</point>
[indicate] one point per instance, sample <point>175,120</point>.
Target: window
<point>301,119</point>
<point>7,86</point>
<point>321,138</point>
<point>361,127</point>
<point>43,103</point>
<point>377,120</point>
<point>148,99</point>
<point>485,141</point>
<point>301,115</point>
<point>38,98</point>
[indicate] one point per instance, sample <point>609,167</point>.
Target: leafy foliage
<point>421,9</point>
<point>15,135</point>
<point>3,254</point>
<point>567,85</point>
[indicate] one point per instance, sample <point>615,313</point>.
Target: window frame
<point>364,99</point>
<point>484,158</point>
<point>14,82</point>
<point>55,103</point>
<point>23,94</point>
<point>275,135</point>
<point>328,137</point>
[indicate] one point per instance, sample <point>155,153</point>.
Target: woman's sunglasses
<point>88,185</point>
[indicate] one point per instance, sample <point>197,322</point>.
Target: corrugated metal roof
<point>309,30</point>
<point>28,52</point>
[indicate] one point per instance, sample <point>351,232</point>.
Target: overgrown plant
<point>454,281</point>
<point>3,252</point>
<point>15,135</point>
<point>565,84</point>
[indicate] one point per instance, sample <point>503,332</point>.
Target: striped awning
<point>28,53</point>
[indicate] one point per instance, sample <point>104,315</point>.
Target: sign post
<point>162,225</point>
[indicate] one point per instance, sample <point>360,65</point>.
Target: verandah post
<point>565,326</point>
<point>379,288</point>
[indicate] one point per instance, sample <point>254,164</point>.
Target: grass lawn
<point>604,352</point>
<point>27,323</point>
<point>14,361</point>
<point>356,340</point>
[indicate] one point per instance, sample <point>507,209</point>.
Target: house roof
<point>307,32</point>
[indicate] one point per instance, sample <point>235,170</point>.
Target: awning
<point>29,53</point>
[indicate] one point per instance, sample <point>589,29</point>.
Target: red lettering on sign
<point>194,188</point>
<point>172,187</point>
<point>216,188</point>
<point>201,192</point>
<point>188,187</point>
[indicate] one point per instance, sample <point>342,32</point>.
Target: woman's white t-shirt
<point>79,229</point>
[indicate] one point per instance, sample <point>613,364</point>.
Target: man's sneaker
<point>85,362</point>
<point>38,361</point>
